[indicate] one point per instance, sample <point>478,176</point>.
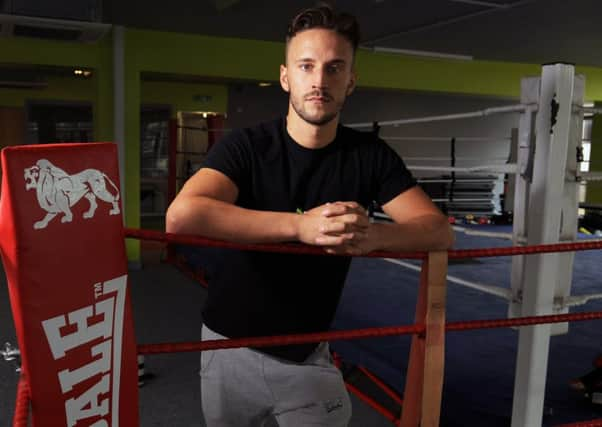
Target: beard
<point>319,118</point>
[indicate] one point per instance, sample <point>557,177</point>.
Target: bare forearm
<point>429,232</point>
<point>220,220</point>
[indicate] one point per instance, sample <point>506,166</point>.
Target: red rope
<point>384,387</point>
<point>278,340</point>
<point>21,403</point>
<point>592,423</point>
<point>373,404</point>
<point>298,248</point>
<point>523,321</point>
<point>526,250</point>
<point>290,248</point>
<point>358,333</point>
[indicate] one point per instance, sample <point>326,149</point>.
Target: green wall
<point>190,54</point>
<point>186,96</point>
<point>58,89</point>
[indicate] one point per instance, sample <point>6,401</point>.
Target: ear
<point>351,84</point>
<point>284,78</point>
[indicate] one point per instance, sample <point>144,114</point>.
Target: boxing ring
<point>78,349</point>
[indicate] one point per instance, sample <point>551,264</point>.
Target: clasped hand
<point>341,228</point>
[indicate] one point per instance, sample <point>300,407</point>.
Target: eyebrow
<point>333,62</point>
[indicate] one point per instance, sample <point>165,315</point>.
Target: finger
<point>340,208</point>
<point>334,209</point>
<point>358,237</point>
<point>349,204</point>
<point>333,227</point>
<point>361,221</point>
<point>355,207</point>
<point>338,228</point>
<point>328,240</point>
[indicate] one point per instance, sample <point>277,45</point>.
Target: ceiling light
<point>424,53</point>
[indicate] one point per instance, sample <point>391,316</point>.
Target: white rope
<point>495,234</point>
<point>591,176</point>
<point>519,108</point>
<point>464,201</point>
<point>449,158</point>
<point>446,138</point>
<point>442,181</point>
<point>488,289</point>
<point>382,216</point>
<point>578,300</point>
<point>589,110</point>
<point>500,168</point>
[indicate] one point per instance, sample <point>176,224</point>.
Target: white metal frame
<point>542,215</point>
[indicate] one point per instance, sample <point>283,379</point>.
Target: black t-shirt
<point>255,293</point>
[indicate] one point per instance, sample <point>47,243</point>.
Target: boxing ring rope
<point>446,139</point>
<point>592,423</point>
<point>376,332</point>
<point>447,159</point>
<point>590,176</point>
<point>384,387</point>
<point>496,234</point>
<point>518,108</point>
<point>496,168</point>
<point>192,240</point>
<point>22,403</point>
<point>432,379</point>
<point>577,300</point>
<point>590,110</point>
<point>488,289</point>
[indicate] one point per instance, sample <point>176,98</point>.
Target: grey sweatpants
<point>245,388</point>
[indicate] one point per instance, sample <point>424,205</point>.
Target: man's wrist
<point>296,225</point>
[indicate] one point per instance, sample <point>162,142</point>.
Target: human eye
<point>305,66</point>
<point>334,68</point>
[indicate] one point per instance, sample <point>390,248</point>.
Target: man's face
<point>318,74</point>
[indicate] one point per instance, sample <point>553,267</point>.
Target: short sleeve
<point>231,156</point>
<point>391,176</point>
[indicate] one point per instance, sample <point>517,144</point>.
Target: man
<point>303,178</point>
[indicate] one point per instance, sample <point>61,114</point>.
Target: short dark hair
<point>323,16</point>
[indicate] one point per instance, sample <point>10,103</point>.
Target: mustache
<point>319,94</point>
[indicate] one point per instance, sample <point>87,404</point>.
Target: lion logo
<point>57,191</point>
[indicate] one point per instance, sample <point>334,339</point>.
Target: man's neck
<point>308,135</point>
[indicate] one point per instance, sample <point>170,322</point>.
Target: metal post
<point>119,102</point>
<point>546,194</point>
<point>570,207</point>
<point>522,180</point>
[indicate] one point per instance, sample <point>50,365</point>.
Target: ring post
<point>569,207</point>
<point>64,256</point>
<point>424,378</point>
<point>543,225</point>
<point>530,87</point>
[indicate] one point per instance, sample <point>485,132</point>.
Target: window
<point>586,146</point>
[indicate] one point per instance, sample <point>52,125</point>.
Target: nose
<point>320,78</point>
